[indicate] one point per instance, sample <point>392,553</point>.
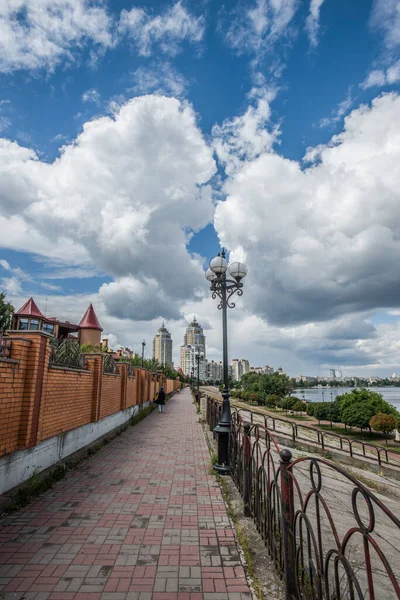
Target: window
<point>34,325</point>
<point>48,328</point>
<point>24,324</point>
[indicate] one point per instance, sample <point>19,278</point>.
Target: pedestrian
<point>161,400</point>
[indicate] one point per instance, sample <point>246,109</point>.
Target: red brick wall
<point>12,383</point>
<point>131,391</point>
<point>110,395</point>
<point>66,401</point>
<point>38,401</point>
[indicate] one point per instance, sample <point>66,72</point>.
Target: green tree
<point>267,384</point>
<point>384,423</point>
<point>272,400</point>
<point>6,312</point>
<point>321,411</point>
<point>359,406</point>
<point>300,406</point>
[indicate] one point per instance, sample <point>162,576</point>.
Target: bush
<point>288,403</point>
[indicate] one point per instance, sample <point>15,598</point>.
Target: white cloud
<point>166,31</point>
<point>312,21</point>
<point>116,200</point>
<point>245,137</point>
<point>385,17</point>
<point>338,113</point>
<point>39,34</point>
<point>91,95</point>
<point>380,77</point>
<point>322,242</point>
<point>159,78</point>
<point>256,28</point>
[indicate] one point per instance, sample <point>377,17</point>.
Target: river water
<point>390,394</point>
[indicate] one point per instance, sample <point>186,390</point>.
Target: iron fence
<point>5,347</point>
<point>324,439</point>
<point>66,353</point>
<point>328,536</point>
<point>109,365</point>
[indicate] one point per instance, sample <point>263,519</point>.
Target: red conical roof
<point>89,320</point>
<point>30,309</point>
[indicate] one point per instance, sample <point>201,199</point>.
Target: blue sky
<point>137,136</point>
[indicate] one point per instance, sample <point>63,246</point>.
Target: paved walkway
<point>141,520</point>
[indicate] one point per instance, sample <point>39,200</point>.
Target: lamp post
<point>330,410</point>
<point>199,357</point>
<point>225,287</point>
<point>143,345</point>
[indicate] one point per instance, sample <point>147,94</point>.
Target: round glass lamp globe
<point>210,276</point>
<point>238,271</point>
<point>218,265</point>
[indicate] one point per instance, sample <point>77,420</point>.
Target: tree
<point>267,384</point>
<point>300,406</point>
<point>272,400</point>
<point>321,411</point>
<point>359,406</point>
<point>383,422</point>
<point>288,403</point>
<point>6,312</point>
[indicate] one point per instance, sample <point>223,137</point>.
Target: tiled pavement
<point>141,520</point>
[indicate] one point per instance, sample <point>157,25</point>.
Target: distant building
<point>194,343</point>
<point>332,373</point>
<point>214,371</point>
<point>30,318</point>
<point>239,368</point>
<point>162,346</point>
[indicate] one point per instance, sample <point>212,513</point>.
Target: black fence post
<point>246,468</point>
<point>287,525</point>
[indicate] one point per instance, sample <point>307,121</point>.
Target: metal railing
<point>328,536</point>
<point>324,439</point>
<point>5,347</point>
<point>67,354</point>
<point>109,365</point>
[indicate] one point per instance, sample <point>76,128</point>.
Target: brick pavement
<point>141,520</point>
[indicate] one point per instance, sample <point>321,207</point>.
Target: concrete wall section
<point>17,467</point>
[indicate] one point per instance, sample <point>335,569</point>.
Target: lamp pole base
<point>222,469</point>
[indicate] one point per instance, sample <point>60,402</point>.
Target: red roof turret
<point>89,320</point>
<point>29,309</point>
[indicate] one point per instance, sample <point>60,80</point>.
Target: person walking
<point>161,400</point>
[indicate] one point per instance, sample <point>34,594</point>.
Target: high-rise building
<point>239,368</point>
<point>332,373</point>
<point>162,346</point>
<point>194,342</point>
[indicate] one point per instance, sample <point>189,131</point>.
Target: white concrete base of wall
<point>17,467</point>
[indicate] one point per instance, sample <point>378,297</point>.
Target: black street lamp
<point>225,287</point>
<point>143,345</point>
<point>192,378</point>
<point>198,357</point>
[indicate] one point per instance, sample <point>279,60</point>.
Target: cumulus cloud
<point>312,21</point>
<point>41,34</point>
<point>245,137</point>
<point>321,242</point>
<point>165,31</point>
<point>120,197</point>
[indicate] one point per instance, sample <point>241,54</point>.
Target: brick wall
<point>110,395</point>
<point>38,401</point>
<point>66,401</point>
